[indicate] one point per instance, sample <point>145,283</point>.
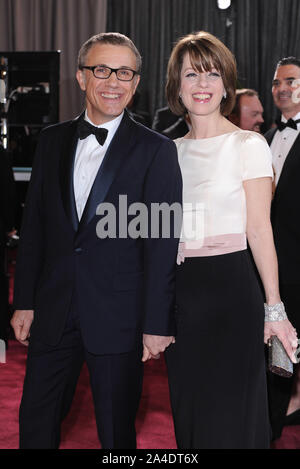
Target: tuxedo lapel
<point>115,155</point>
<point>292,163</point>
<point>66,173</point>
<point>270,135</point>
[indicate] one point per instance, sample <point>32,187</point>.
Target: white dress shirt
<point>281,145</point>
<point>88,159</point>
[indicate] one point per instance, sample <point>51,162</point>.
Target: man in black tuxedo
<point>81,296</point>
<point>169,124</point>
<point>284,394</point>
<point>179,129</point>
<point>163,119</point>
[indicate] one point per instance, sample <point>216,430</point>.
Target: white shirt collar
<point>107,125</point>
<point>296,117</point>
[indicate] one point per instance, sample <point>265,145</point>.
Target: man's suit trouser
<point>50,381</point>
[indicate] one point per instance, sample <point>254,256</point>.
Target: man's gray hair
<point>288,61</point>
<point>115,39</point>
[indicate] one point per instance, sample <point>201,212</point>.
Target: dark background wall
<point>258,32</point>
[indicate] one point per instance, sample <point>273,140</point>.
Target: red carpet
<point>154,422</point>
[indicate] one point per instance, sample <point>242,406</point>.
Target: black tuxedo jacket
<point>120,288</point>
<point>7,196</point>
<point>163,119</point>
<point>285,215</point>
<point>179,129</point>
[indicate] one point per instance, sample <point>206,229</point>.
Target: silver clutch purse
<point>279,361</point>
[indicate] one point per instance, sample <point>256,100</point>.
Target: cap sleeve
<point>256,157</point>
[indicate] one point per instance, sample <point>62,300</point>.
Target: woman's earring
<point>224,94</point>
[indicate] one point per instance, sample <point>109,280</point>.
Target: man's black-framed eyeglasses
<point>103,72</point>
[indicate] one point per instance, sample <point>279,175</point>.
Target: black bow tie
<point>85,129</point>
<point>290,123</point>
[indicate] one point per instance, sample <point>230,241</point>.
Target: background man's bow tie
<point>85,129</point>
<point>290,123</point>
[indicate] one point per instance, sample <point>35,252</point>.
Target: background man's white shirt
<point>281,145</point>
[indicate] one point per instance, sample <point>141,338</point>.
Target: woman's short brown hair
<point>206,52</point>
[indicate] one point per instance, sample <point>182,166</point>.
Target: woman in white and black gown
<point>216,367</point>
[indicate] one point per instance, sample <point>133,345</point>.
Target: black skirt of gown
<point>216,368</point>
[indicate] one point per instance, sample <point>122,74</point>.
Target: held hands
<point>21,323</point>
<point>286,333</point>
<point>154,344</point>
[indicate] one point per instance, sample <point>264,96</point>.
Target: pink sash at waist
<point>212,246</point>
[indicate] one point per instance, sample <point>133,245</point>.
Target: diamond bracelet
<point>275,312</point>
